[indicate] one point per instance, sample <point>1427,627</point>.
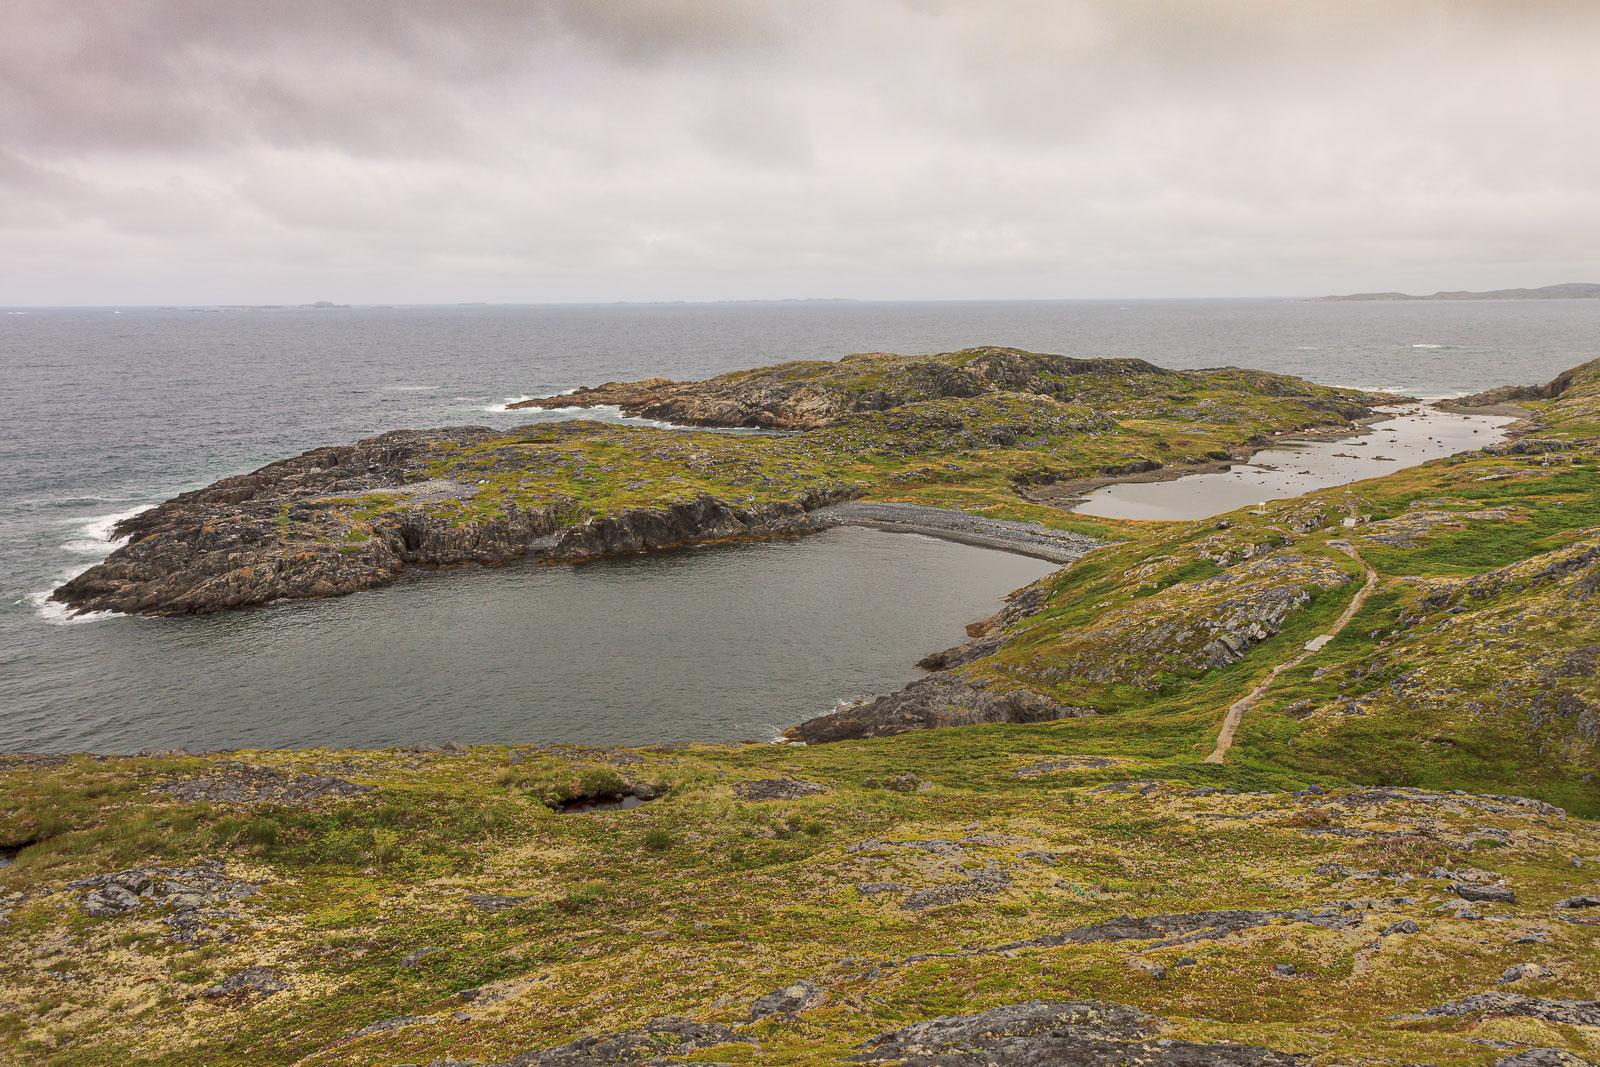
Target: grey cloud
<point>579,149</point>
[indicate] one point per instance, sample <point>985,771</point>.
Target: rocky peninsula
<point>1034,855</point>
<point>968,430</point>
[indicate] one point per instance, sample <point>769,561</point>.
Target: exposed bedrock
<point>813,394</point>
<point>806,396</point>
<point>1040,1033</point>
<point>931,703</point>
<point>292,530</point>
<point>1511,394</point>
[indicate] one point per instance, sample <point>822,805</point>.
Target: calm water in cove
<point>108,411</point>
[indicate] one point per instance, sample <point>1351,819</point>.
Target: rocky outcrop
<point>657,1038</point>
<point>790,1000</point>
<point>989,634</point>
<point>244,783</point>
<point>192,899</point>
<point>931,703</point>
<point>257,981</point>
<point>1210,622</point>
<point>810,395</point>
<point>776,789</point>
<point>814,394</point>
<point>1511,394</point>
<point>1569,1012</point>
<point>1056,1032</point>
<point>338,520</point>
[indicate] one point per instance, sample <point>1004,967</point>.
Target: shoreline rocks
<point>930,704</point>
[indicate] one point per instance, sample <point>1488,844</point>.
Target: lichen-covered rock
<point>796,997</point>
<point>183,889</point>
<point>1484,893</point>
<point>1570,1012</point>
<point>1040,1033</point>
<point>776,789</point>
<point>257,980</point>
<point>1543,1057</point>
<point>931,703</point>
<point>243,783</point>
<point>627,1048</point>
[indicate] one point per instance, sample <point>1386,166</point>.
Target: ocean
<point>108,410</point>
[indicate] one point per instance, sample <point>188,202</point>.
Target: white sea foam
<point>613,413</point>
<point>1427,346</point>
<point>505,405</point>
<point>93,540</point>
<point>58,614</point>
<point>409,388</point>
<point>94,534</point>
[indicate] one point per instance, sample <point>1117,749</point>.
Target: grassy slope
<point>1463,691</point>
<point>701,902</point>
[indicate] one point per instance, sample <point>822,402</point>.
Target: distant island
<point>1565,291</point>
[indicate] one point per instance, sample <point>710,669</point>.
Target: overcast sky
<point>252,151</point>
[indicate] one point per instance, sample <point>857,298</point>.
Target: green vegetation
<point>369,908</point>
<point>976,452</point>
<point>454,900</point>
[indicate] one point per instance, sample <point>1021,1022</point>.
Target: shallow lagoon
<point>1412,436</point>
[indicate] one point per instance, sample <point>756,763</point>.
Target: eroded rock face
<point>930,703</point>
<point>1040,1033</point>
